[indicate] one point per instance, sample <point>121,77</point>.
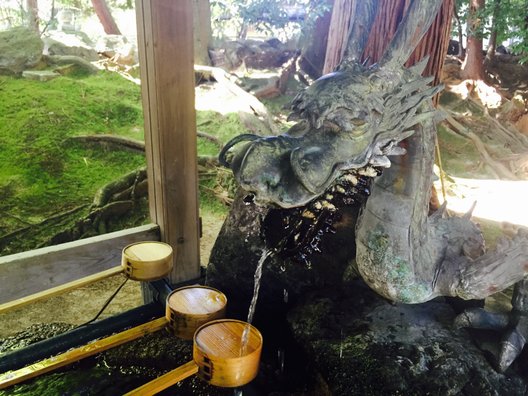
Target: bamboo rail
<point>166,380</point>
<point>18,303</point>
<point>73,355</point>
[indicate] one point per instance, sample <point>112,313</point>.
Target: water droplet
<point>285,296</point>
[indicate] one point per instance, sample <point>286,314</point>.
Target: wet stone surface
<point>363,345</point>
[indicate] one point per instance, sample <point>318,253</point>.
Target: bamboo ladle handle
<point>166,380</point>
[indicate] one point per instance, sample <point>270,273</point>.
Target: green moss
<point>223,127</point>
<point>459,155</point>
<point>42,172</point>
<point>448,98</point>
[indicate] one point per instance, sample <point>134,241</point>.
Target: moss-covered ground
<point>43,173</point>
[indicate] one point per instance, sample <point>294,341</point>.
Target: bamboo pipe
<point>55,362</point>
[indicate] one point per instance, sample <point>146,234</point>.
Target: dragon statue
<point>360,122</point>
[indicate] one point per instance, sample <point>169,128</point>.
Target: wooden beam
<point>165,43</point>
<point>59,289</point>
<point>73,355</point>
<point>30,272</point>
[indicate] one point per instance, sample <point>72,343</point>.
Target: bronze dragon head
<point>348,119</point>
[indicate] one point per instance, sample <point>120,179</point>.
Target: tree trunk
<point>389,15</point>
<point>32,15</point>
<point>242,34</point>
<point>314,45</point>
<point>202,32</point>
<point>105,17</point>
<point>434,44</point>
<point>492,44</point>
<point>342,13</point>
<point>473,66</point>
<point>461,50</point>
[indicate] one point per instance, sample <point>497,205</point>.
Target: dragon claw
<point>479,318</point>
<point>511,347</point>
<point>513,323</point>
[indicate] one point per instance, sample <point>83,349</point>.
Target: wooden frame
<point>37,270</point>
<point>165,32</point>
<point>165,42</point>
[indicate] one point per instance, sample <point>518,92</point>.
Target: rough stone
<point>40,75</point>
<point>70,64</point>
<point>357,342</point>
<point>118,48</point>
<point>69,43</point>
<point>255,54</point>
<point>239,247</point>
<point>363,345</point>
<point>522,124</point>
<point>20,49</point>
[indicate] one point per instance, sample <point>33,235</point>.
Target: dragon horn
<point>410,32</point>
<point>469,213</point>
<point>237,139</point>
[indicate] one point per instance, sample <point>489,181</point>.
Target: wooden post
<point>165,42</point>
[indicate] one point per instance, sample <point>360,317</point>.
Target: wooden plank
<point>165,43</point>
<point>26,273</point>
<point>73,355</point>
<point>166,380</point>
<point>59,289</point>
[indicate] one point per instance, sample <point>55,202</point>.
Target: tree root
<point>139,146</point>
<point>117,188</point>
<point>122,142</point>
<point>517,141</point>
<point>499,169</point>
<point>211,138</point>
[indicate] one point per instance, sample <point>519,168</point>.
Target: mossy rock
<point>20,49</point>
<point>363,345</point>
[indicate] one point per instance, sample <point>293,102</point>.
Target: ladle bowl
<point>223,358</point>
<point>190,307</point>
<point>147,261</point>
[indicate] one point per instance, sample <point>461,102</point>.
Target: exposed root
<point>502,171</point>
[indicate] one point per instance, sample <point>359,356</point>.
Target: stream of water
<point>252,306</point>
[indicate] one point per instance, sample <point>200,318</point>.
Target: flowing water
<point>252,306</point>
